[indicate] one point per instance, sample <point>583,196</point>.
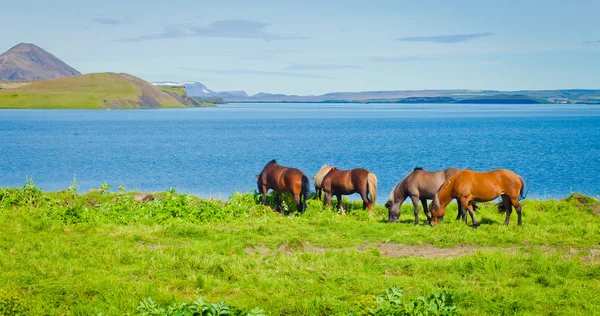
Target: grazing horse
<point>344,182</point>
<point>419,185</point>
<point>468,186</point>
<point>283,179</point>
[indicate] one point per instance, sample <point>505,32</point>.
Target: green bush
<point>199,307</point>
<point>12,304</point>
<point>103,206</point>
<point>391,303</point>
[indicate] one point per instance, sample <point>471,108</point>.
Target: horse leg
<point>425,209</point>
<point>461,212</point>
<point>507,208</point>
<point>277,201</point>
<point>515,203</point>
<point>327,198</point>
<point>299,205</point>
<point>366,204</point>
<point>415,201</point>
<point>469,208</point>
<point>339,204</point>
<point>472,213</point>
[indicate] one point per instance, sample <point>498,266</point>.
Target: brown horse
<point>283,179</point>
<point>419,185</point>
<point>468,186</point>
<point>344,182</point>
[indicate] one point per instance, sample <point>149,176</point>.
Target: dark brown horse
<point>344,182</point>
<point>469,186</point>
<point>283,179</point>
<point>419,185</point>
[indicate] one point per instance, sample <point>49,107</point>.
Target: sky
<point>315,47</point>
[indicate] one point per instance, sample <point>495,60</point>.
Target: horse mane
<point>394,189</point>
<point>271,162</point>
<point>318,178</point>
<point>418,168</point>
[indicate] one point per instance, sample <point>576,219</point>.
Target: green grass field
<point>63,253</point>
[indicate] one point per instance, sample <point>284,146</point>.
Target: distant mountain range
<point>403,96</point>
<point>29,62</point>
<point>23,66</point>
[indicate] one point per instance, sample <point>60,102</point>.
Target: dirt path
<point>395,250</point>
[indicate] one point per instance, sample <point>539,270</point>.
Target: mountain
<point>29,62</point>
<point>433,96</point>
<point>197,89</point>
<point>94,91</point>
<point>232,94</point>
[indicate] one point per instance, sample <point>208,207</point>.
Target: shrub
<point>199,307</point>
<point>392,303</point>
<point>12,304</point>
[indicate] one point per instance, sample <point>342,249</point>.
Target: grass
<point>90,91</point>
<point>103,252</point>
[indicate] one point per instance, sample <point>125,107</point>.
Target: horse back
<point>486,185</point>
<point>424,183</point>
<point>346,181</point>
<point>292,180</point>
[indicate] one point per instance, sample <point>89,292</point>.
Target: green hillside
<point>92,91</point>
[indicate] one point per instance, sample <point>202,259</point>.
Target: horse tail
<point>523,192</point>
<point>372,187</point>
<point>501,208</point>
<point>475,206</point>
<point>305,192</point>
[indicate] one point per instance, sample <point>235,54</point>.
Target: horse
<point>419,185</point>
<point>468,186</point>
<point>344,182</point>
<point>283,179</point>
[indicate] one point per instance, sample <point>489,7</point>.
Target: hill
<point>179,93</point>
<point>30,62</point>
<point>94,91</point>
<point>504,99</point>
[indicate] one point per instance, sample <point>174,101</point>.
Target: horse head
<point>393,210</point>
<point>259,183</point>
<point>437,211</point>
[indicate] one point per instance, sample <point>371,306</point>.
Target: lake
<point>217,151</point>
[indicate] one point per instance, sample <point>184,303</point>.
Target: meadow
<point>166,253</point>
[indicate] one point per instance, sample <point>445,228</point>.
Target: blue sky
<point>315,47</point>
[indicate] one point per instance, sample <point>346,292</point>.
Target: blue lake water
<point>216,151</point>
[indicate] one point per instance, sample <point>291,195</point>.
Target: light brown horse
<point>468,186</point>
<point>344,182</point>
<point>419,185</point>
<point>283,179</point>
